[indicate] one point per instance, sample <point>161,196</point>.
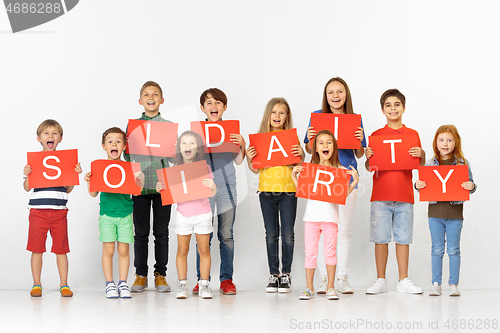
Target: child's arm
<point>359,135</point>
<point>78,170</point>
<point>142,178</point>
<point>355,179</point>
<point>369,153</point>
<point>420,153</point>
<point>310,136</point>
<point>27,171</point>
<point>238,139</point>
<point>295,173</point>
<point>211,184</point>
<point>298,151</point>
<point>251,152</point>
<point>87,179</point>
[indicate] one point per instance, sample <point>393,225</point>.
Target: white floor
<point>248,311</point>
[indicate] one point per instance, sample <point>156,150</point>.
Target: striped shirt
<point>48,198</point>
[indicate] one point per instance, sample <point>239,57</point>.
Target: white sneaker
<point>343,286</point>
<point>331,295</point>
<point>182,290</point>
<point>111,291</point>
<point>454,291</point>
<point>379,286</point>
<point>307,294</point>
<point>323,285</point>
<point>124,290</point>
<point>435,290</point>
<point>205,291</point>
<point>407,286</point>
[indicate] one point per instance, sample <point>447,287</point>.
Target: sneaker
<point>379,286</point>
<point>307,294</point>
<point>124,290</point>
<point>36,291</point>
<point>111,291</point>
<point>227,287</point>
<point>331,295</point>
<point>161,283</point>
<point>182,292</point>
<point>196,289</point>
<point>343,286</point>
<point>323,286</point>
<point>140,283</point>
<point>435,290</point>
<point>65,291</point>
<point>285,283</point>
<point>272,286</point>
<point>407,286</point>
<point>454,291</point>
<point>205,291</point>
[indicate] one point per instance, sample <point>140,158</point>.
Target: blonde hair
<point>49,123</point>
<point>334,160</point>
<point>265,125</point>
<point>457,152</point>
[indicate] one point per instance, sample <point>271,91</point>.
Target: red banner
<point>342,126</point>
<point>153,138</point>
<point>392,152</point>
<point>216,135</point>
<point>274,148</point>
<point>322,183</point>
<point>115,177</point>
<point>184,182</point>
<point>444,182</point>
<point>53,168</point>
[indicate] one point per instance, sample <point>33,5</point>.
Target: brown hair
<point>457,152</point>
<point>348,109</point>
<point>216,94</point>
<point>265,125</point>
<point>49,123</point>
<point>114,130</point>
<point>200,153</point>
<point>334,160</point>
<point>151,84</point>
<point>392,93</point>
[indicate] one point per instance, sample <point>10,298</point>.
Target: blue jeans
<point>225,200</point>
<point>285,204</point>
<point>445,231</point>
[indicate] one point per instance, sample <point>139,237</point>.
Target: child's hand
<point>296,170</point>
<point>416,152</point>
<point>251,152</point>
<point>237,138</point>
<point>310,133</point>
<point>27,170</point>
<point>369,152</point>
<point>159,187</point>
<point>297,150</point>
<point>140,175</point>
<point>420,184</point>
<point>78,168</point>
<point>87,177</point>
<point>354,173</point>
<point>359,134</point>
<point>468,185</point>
<point>209,183</point>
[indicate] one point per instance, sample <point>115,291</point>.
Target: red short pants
<point>44,220</point>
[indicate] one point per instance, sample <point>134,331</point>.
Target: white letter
<point>336,128</point>
<point>316,181</point>
<point>105,175</point>
<point>443,181</point>
<point>51,167</point>
<point>207,135</point>
<point>148,137</point>
<point>280,148</point>
<point>183,178</point>
<point>393,153</point>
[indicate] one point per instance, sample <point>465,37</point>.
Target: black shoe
<point>285,283</point>
<point>272,286</point>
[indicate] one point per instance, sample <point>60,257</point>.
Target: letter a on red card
<point>444,182</point>
<point>274,148</point>
<point>343,127</point>
<point>216,135</point>
<point>114,177</point>
<point>184,182</point>
<point>152,138</point>
<point>322,183</point>
<point>391,152</point>
<point>53,168</point>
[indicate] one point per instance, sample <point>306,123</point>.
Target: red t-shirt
<point>393,185</point>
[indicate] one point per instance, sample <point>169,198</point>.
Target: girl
<point>193,216</point>
<point>322,217</point>
<point>446,218</point>
<point>277,198</point>
<point>337,99</point>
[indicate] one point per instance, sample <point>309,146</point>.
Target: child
<point>48,212</point>
<point>392,201</point>
<point>193,216</point>
<point>337,100</point>
<point>322,217</point>
<point>213,103</point>
<point>151,97</point>
<point>115,220</point>
<point>446,217</point>
<point>277,196</point>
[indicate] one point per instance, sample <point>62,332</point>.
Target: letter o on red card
<point>105,175</point>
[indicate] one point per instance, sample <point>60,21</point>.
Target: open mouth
<point>50,144</point>
<point>187,152</point>
<point>151,103</point>
<point>325,152</point>
<point>214,113</point>
<point>114,151</point>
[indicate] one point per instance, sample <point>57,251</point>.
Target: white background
<point>85,70</point>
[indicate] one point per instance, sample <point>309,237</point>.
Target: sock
<point>108,282</point>
<point>122,281</point>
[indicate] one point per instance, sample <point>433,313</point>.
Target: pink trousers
<point>312,232</point>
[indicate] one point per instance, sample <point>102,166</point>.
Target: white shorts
<point>198,224</point>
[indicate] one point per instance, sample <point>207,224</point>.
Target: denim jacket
<point>434,161</point>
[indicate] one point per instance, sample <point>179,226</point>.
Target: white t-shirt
<point>321,211</point>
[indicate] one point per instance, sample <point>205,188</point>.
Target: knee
<point>453,250</point>
<point>204,251</point>
<point>437,251</point>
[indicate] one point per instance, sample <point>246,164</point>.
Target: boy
<point>48,212</point>
<point>392,201</point>
<point>213,102</point>
<point>151,97</point>
<point>115,220</point>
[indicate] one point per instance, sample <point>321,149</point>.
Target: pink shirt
<point>198,206</point>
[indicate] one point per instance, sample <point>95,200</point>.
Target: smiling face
<point>188,148</point>
<point>445,143</point>
<point>213,108</point>
<point>336,95</point>
<point>393,109</point>
<point>151,99</point>
<point>114,144</point>
<point>324,148</point>
<point>279,116</point>
<point>49,138</point>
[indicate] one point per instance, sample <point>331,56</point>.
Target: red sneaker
<point>196,289</point>
<point>227,287</point>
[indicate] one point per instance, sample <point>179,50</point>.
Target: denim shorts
<point>391,218</point>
